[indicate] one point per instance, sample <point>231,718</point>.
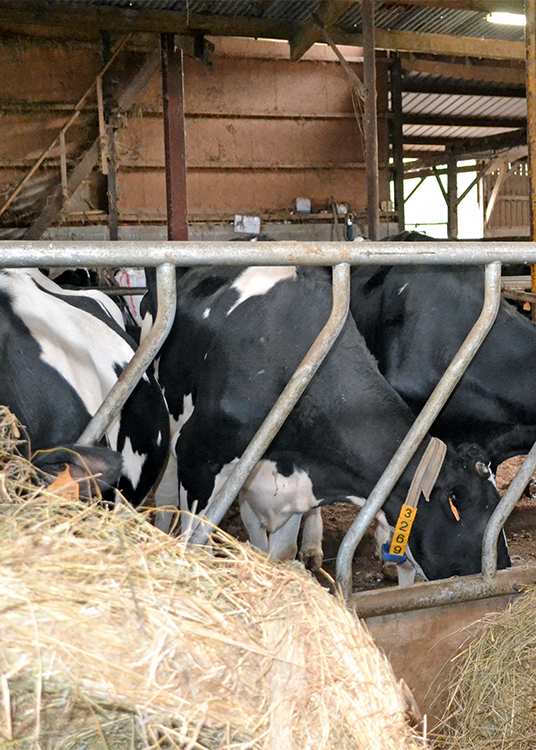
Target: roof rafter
<point>328,13</point>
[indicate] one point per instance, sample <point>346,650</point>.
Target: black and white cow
<point>61,353</point>
<point>238,336</point>
<point>414,319</point>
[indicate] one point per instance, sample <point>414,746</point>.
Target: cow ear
<point>83,461</point>
<point>483,469</point>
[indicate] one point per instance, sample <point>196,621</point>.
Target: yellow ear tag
<point>65,486</point>
<point>454,510</point>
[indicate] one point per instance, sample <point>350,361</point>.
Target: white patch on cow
<point>274,497</point>
<point>258,280</point>
<point>146,325</point>
<point>402,288</point>
<point>206,313</point>
<point>83,349</point>
<point>176,425</point>
<point>132,462</point>
<point>159,439</point>
<point>261,372</point>
<point>102,299</point>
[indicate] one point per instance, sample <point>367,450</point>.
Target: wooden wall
<point>260,131</point>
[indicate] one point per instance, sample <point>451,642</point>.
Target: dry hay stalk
<point>114,636</point>
<point>492,702</point>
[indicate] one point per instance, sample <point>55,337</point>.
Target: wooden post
<point>397,140</point>
<point>371,120</point>
<point>452,196</point>
<point>530,40</point>
<point>174,140</point>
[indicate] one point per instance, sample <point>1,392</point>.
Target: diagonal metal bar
<point>502,511</point>
<point>131,375</point>
<point>283,406</point>
<point>420,427</point>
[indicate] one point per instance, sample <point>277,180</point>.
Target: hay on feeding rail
<point>492,702</point>
<point>114,636</point>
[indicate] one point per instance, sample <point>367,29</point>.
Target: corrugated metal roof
<point>464,105</point>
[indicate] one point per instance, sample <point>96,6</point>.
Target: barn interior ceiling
<point>462,78</point>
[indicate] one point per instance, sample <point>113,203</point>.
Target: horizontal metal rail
<point>30,253</point>
<point>283,406</point>
<point>420,427</point>
<point>144,355</point>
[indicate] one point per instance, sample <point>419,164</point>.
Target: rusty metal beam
<point>530,39</point>
<point>371,116</point>
<point>397,140</point>
<point>174,140</point>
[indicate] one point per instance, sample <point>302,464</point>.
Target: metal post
<point>420,427</point>
<point>109,139</point>
<point>129,378</point>
<point>397,140</point>
<point>174,140</point>
<point>452,195</point>
<point>284,404</point>
<point>371,120</point>
<point>530,66</point>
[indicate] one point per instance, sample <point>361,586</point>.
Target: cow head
<point>446,539</point>
<point>90,466</point>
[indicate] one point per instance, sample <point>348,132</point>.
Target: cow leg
<point>311,554</point>
<point>283,543</point>
<point>256,533</point>
<point>166,496</point>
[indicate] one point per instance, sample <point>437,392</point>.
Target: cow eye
<point>482,469</point>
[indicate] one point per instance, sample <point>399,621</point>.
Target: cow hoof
<point>311,559</point>
<point>390,571</point>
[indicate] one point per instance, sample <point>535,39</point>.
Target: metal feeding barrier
<point>165,256</point>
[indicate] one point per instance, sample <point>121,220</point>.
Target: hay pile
<point>114,636</point>
<point>493,693</point>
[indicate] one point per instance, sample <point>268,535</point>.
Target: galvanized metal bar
<point>129,378</point>
<point>284,404</point>
<point>502,511</point>
<point>28,254</point>
<point>420,427</point>
<point>371,120</point>
<point>174,139</point>
<point>430,594</point>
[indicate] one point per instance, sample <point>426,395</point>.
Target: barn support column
<point>108,148</point>
<point>397,140</point>
<point>371,120</point>
<point>452,195</point>
<point>530,40</point>
<point>174,140</point>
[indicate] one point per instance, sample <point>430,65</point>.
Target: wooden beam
<point>90,158</point>
<point>472,145</point>
<point>438,44</point>
<point>328,13</point>
<point>481,6</point>
<point>468,70</point>
<point>461,87</point>
<point>73,20</point>
<point>458,121</point>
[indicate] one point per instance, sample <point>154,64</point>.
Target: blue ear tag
<point>390,557</point>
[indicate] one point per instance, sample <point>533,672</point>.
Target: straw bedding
<point>114,636</point>
<point>493,692</point>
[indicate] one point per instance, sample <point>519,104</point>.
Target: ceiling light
<point>507,19</point>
